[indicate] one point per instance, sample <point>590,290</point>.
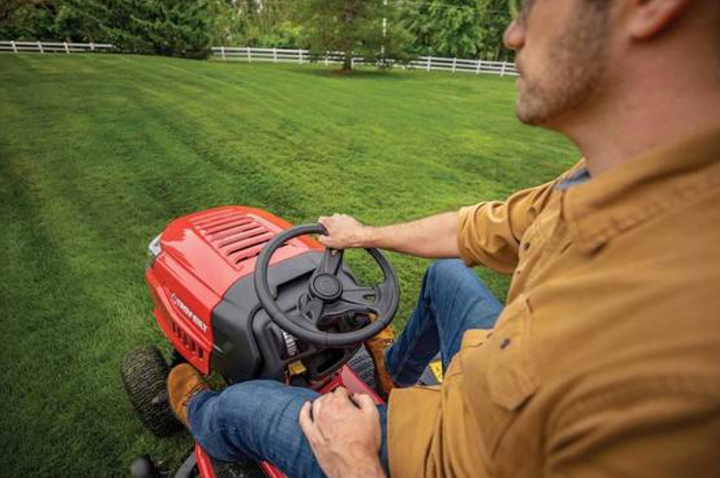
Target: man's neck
<point>606,144</point>
<point>644,115</point>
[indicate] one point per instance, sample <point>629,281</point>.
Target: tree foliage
<point>254,23</point>
<point>444,27</point>
<point>164,27</point>
<point>498,15</point>
<point>27,19</point>
<point>454,28</point>
<point>458,28</point>
<point>364,28</point>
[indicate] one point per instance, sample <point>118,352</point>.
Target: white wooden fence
<point>427,63</point>
<point>276,55</point>
<point>53,47</point>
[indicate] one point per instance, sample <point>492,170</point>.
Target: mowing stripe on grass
<point>98,153</point>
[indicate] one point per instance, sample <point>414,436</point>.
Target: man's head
<point>576,54</point>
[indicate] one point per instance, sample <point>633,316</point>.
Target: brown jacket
<point>606,360</point>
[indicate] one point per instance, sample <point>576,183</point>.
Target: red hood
<point>219,246</point>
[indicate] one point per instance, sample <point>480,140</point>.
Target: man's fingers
<point>324,239</point>
<point>309,428</point>
<point>306,423</point>
<point>316,405</point>
<point>305,419</point>
<point>342,391</point>
<point>364,402</point>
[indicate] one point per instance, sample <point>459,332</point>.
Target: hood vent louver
<point>236,236</point>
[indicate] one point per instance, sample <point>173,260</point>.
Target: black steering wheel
<point>327,297</point>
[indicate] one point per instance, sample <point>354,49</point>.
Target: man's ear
<point>652,17</point>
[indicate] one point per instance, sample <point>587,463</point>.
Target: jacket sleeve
<point>489,233</point>
<point>669,434</point>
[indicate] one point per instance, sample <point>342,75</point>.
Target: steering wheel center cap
<point>326,287</point>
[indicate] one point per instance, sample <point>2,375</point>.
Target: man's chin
<point>531,109</point>
<point>523,110</point>
<point>525,115</point>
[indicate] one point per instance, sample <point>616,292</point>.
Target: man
<point>604,361</point>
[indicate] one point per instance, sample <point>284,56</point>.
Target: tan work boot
<point>377,346</point>
<point>183,383</point>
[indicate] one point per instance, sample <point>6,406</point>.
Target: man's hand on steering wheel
<point>329,294</point>
<point>343,231</point>
<point>344,434</point>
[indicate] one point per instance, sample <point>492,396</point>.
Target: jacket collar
<point>628,195</point>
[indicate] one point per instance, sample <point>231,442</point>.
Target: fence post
<point>502,70</point>
<point>274,55</point>
<point>429,63</point>
<point>222,52</point>
<point>249,56</point>
<point>327,58</point>
<point>40,48</point>
<point>454,64</point>
<point>352,62</point>
<point>479,66</point>
<point>300,57</point>
<point>12,42</point>
<point>67,50</point>
<point>92,46</point>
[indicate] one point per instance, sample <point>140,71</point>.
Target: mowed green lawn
<point>99,153</point>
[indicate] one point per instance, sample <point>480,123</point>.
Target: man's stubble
<point>572,73</point>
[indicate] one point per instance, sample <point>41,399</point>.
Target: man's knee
<point>445,273</point>
<point>246,401</point>
<point>446,268</point>
<point>242,401</point>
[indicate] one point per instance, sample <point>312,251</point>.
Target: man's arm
<point>431,237</point>
<point>487,234</point>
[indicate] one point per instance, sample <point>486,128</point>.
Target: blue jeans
<point>258,420</point>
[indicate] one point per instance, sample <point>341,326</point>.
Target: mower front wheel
<point>144,374</point>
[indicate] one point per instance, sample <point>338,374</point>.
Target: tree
<point>446,27</point>
<point>228,25</point>
<point>353,28</point>
<point>83,20</point>
<point>178,27</point>
<point>27,19</point>
<point>497,17</point>
<point>165,27</point>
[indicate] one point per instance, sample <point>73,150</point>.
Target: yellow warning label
<point>296,368</point>
<point>436,368</point>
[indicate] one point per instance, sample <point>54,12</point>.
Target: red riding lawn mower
<point>241,293</point>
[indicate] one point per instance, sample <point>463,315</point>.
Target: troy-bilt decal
<point>188,313</point>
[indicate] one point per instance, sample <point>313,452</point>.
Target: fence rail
<point>277,55</point>
<point>53,47</point>
<point>427,63</point>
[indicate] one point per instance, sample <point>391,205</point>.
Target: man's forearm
<point>431,237</point>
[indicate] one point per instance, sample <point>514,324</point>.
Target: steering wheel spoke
<point>365,296</point>
<point>331,261</point>
<point>312,308</point>
<point>345,308</point>
<point>327,297</point>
